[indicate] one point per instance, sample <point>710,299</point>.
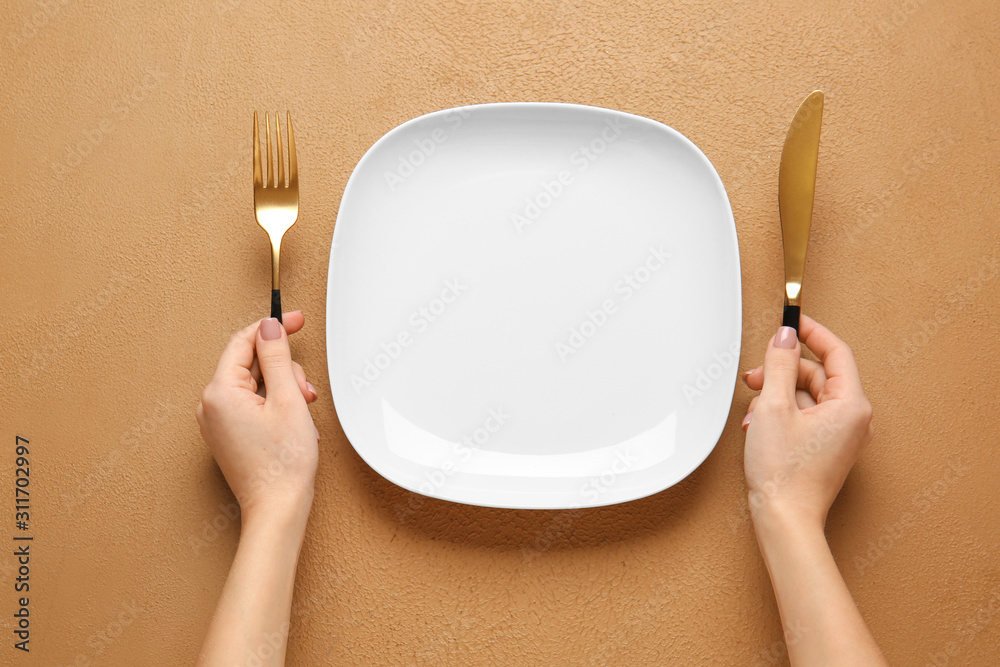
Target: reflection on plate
<point>534,305</point>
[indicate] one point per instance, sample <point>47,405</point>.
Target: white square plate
<point>534,305</point>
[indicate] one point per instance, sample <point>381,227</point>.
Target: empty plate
<point>534,305</point>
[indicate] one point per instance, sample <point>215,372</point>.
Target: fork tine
<point>293,165</point>
<point>258,179</point>
<point>281,154</point>
<point>270,161</point>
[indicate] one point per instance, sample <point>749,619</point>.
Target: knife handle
<point>790,318</point>
<point>276,304</point>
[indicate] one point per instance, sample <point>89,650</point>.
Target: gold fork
<point>275,203</point>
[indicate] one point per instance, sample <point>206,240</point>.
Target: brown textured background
<point>130,253</point>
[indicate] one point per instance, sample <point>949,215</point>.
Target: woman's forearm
<point>822,624</point>
<point>250,624</point>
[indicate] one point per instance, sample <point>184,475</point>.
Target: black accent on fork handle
<point>276,304</point>
<point>790,318</point>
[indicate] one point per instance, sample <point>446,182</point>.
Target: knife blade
<point>796,187</point>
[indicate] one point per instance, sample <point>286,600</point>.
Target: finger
<point>781,367</point>
<point>308,391</point>
<point>239,351</point>
<point>750,408</point>
<point>292,322</point>
<point>237,356</point>
<point>812,377</point>
<point>754,378</point>
<point>804,399</point>
<point>246,380</point>
<point>276,361</point>
<point>241,378</point>
<point>843,378</point>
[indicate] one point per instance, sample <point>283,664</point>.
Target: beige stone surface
<point>130,253</point>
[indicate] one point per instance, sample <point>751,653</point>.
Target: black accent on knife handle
<point>276,304</point>
<point>790,318</point>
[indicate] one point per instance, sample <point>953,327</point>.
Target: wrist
<point>787,537</point>
<point>281,515</point>
<point>780,516</point>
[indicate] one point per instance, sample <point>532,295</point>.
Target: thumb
<point>275,359</point>
<point>781,365</point>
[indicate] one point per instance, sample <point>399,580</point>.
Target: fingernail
<point>270,329</point>
<point>746,420</point>
<point>317,432</point>
<point>311,388</point>
<point>746,374</point>
<point>786,338</point>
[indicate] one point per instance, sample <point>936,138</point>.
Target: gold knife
<point>796,186</point>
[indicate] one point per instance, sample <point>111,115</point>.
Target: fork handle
<point>789,318</point>
<point>276,304</point>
